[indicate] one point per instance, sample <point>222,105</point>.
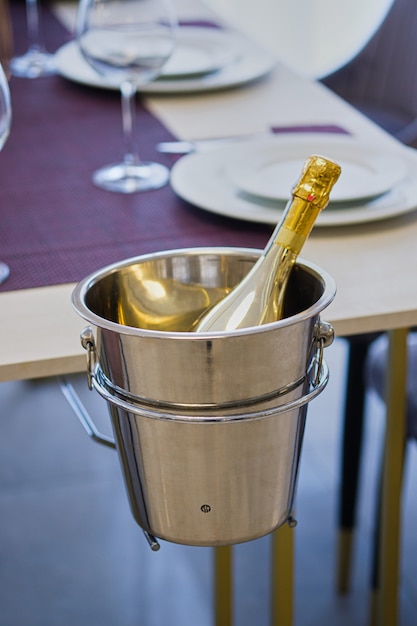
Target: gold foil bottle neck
<point>260,297</point>
<point>317,179</point>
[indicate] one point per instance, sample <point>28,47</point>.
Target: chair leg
<point>351,455</point>
<point>374,582</point>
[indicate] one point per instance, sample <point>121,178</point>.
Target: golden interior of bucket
<point>171,293</point>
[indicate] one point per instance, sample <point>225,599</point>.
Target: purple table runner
<point>55,226</point>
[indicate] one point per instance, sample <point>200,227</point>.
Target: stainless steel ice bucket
<point>208,427</point>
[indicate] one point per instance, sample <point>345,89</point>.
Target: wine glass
<point>130,41</point>
<point>36,61</point>
<point>5,122</point>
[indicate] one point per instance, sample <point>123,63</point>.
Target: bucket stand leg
<point>223,585</point>
<point>282,574</point>
<point>86,421</point>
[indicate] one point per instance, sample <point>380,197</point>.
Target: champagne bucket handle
<point>323,337</point>
<point>88,343</point>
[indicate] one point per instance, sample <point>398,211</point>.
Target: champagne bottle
<point>258,298</point>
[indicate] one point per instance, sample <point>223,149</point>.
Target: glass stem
<point>32,16</point>
<point>128,91</point>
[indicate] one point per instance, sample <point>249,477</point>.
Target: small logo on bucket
<point>206,508</point>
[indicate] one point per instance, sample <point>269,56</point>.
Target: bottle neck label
<point>288,238</point>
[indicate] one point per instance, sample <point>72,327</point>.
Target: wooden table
<point>373,265</point>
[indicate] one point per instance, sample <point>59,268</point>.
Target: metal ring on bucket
<point>323,336</point>
<point>146,411</point>
<point>126,396</point>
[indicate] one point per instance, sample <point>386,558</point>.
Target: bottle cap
<point>317,179</point>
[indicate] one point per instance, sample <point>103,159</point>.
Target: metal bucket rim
<point>82,288</point>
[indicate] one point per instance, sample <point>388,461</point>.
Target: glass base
<point>125,178</point>
<point>33,64</point>
<point>4,272</point>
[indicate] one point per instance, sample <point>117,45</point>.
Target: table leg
<point>282,574</point>
<point>387,600</point>
<point>223,585</point>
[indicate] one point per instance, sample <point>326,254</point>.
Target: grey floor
<point>71,555</point>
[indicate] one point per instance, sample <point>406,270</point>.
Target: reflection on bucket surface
<point>208,427</point>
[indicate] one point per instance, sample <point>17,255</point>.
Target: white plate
<point>249,62</point>
<point>200,178</point>
<point>268,168</point>
<point>200,51</point>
